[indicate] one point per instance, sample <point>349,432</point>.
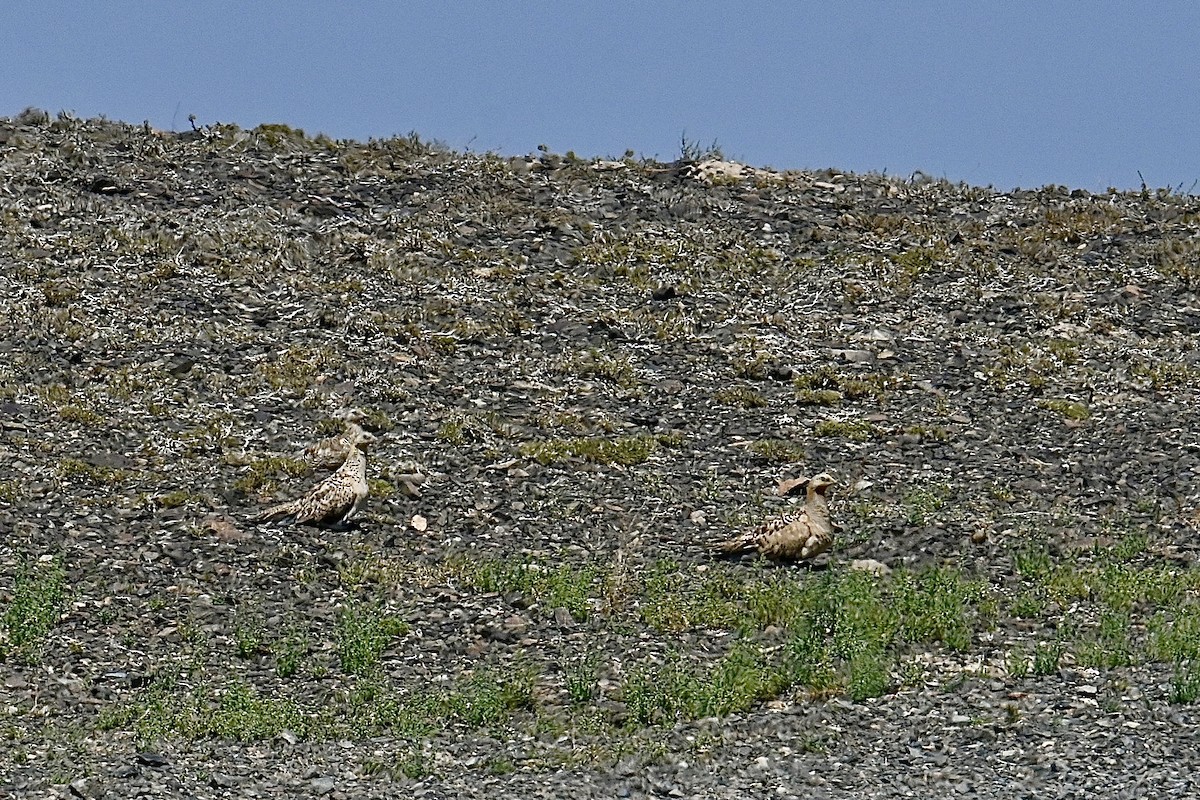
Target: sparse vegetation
<point>364,633</point>
<point>777,451</point>
<point>1067,409</point>
<point>855,430</point>
<point>602,367</point>
<point>740,396</point>
<point>30,612</point>
<point>623,451</point>
<point>262,472</point>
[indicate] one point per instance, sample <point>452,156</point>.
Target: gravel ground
<point>598,368</point>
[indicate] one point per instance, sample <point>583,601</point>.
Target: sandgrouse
<point>792,537</point>
<point>336,500</point>
<point>331,451</point>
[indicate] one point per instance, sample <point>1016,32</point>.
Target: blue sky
<point>1008,93</point>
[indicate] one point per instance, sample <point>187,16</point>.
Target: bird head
<point>355,436</point>
<point>818,484</point>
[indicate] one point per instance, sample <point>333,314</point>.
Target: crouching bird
<point>795,536</point>
<point>335,501</point>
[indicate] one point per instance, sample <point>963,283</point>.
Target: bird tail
<point>284,514</point>
<point>738,545</point>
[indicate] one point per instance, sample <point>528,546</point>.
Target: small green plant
<point>1046,657</point>
<point>82,416</point>
<point>690,150</point>
<point>237,712</point>
<point>38,598</point>
<point>593,363</point>
<point>262,472</point>
<point>500,766</point>
<point>921,503</point>
<point>490,696</point>
<point>413,764</point>
<point>826,386</point>
<point>579,678</point>
<point>744,676</point>
<point>452,430</point>
<point>1067,409</point>
<point>563,586</point>
<point>289,653</point>
<point>818,397</point>
<point>928,433</point>
<point>854,430</point>
<point>1166,376</point>
<point>1028,604</point>
<point>174,499</point>
<point>363,634</point>
<point>248,637</point>
<point>739,397</point>
<point>242,714</point>
<point>625,451</point>
<point>1035,563</point>
<point>1001,492</point>
<point>9,491</point>
<point>1185,683</point>
<point>936,605</point>
<point>913,263</point>
<point>381,489</point>
<point>1175,635</point>
<point>73,469</point>
<point>296,369</point>
<point>869,669</point>
<point>1017,662</point>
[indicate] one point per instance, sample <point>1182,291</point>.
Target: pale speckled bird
<point>331,451</point>
<point>792,537</point>
<point>335,501</point>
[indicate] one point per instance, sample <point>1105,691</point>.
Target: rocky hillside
<point>582,374</point>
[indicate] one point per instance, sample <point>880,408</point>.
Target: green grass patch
<point>739,397</point>
<point>1067,409</point>
<point>170,708</point>
<point>818,397</point>
<point>595,364</point>
<point>825,385</point>
<point>175,707</point>
<point>261,472</point>
<point>82,416</point>
<point>364,632</point>
<point>921,503</point>
<point>625,451</point>
<point>854,430</point>
<point>551,587</point>
<point>10,491</point>
<point>38,599</point>
<point>76,470</point>
<point>846,631</point>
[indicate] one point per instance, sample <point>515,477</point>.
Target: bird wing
<point>756,538</point>
<point>326,502</point>
<point>797,540</point>
<point>329,452</point>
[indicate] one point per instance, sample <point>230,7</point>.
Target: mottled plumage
<point>336,500</point>
<point>795,536</point>
<point>331,451</point>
